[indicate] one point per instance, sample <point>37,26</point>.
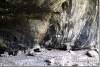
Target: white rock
<point>5,54</point>
<point>29,52</point>
<point>19,53</point>
<point>37,46</point>
<point>92,53</point>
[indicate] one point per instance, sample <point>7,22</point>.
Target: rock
<point>3,46</point>
<point>19,53</point>
<point>23,21</point>
<point>92,53</point>
<point>5,54</point>
<point>50,61</point>
<point>29,52</point>
<point>37,48</point>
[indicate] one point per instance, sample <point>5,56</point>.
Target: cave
<point>53,24</point>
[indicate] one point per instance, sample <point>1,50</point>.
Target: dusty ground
<point>51,57</point>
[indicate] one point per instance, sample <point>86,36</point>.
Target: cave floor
<point>57,58</point>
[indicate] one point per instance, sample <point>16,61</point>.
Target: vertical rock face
<point>77,25</point>
<point>85,23</point>
<point>51,23</point>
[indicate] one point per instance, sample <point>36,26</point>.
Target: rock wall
<point>76,26</point>
<point>61,24</point>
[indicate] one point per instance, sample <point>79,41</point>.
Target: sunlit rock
<point>92,53</point>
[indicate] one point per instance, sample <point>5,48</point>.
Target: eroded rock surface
<point>61,24</point>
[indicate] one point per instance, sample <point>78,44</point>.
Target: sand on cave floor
<point>57,58</point>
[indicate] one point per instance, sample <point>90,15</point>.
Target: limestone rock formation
<point>61,24</point>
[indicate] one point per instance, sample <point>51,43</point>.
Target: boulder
<point>92,53</point>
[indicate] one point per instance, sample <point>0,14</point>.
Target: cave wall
<point>75,26</point>
<point>68,24</point>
